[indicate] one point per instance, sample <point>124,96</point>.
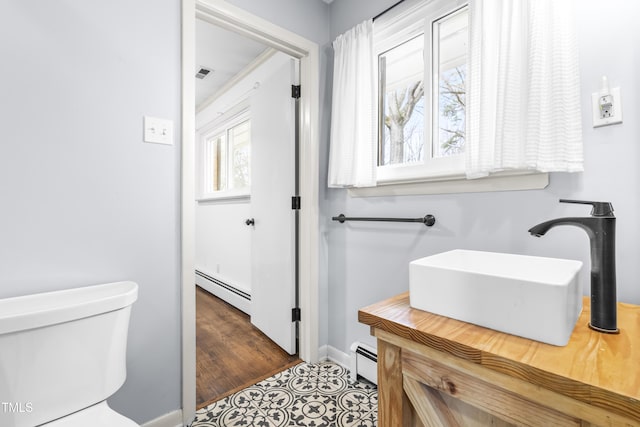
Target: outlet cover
<point>610,116</point>
<point>158,131</point>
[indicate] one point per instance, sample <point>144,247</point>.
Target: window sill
<point>456,184</point>
<point>240,196</point>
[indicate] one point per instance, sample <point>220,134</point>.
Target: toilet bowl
<point>62,354</point>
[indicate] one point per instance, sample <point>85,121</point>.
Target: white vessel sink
<point>532,297</point>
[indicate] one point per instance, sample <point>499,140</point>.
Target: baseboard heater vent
<point>364,362</point>
<point>240,299</point>
<point>222,284</point>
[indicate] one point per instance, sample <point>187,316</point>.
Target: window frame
<point>221,126</point>
<point>396,29</point>
<point>404,22</point>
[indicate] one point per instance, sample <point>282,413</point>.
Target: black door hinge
<point>295,202</point>
<point>295,314</point>
<point>295,91</point>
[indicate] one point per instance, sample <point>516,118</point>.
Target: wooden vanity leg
<point>393,406</point>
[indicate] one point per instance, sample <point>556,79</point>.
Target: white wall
<point>223,242</point>
<point>84,200</point>
<point>369,262</point>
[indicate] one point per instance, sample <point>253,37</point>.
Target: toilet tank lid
<point>49,308</point>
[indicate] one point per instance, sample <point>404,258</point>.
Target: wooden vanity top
<point>599,369</point>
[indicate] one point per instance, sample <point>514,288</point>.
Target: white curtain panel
<point>523,91</point>
<point>352,156</point>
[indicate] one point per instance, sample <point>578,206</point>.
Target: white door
<point>273,292</point>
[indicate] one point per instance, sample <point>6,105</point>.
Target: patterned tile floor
<point>308,395</point>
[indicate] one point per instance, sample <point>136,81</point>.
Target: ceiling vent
<point>202,73</point>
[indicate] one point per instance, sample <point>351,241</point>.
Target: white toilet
<point>62,354</point>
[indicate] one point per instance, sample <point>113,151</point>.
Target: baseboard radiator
<point>225,291</point>
<point>364,362</point>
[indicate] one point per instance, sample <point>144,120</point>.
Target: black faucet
<point>601,228</point>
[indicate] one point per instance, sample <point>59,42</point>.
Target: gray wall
<point>84,200</point>
<point>369,262</point>
<point>306,18</point>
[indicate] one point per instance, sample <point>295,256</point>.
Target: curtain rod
<point>387,10</point>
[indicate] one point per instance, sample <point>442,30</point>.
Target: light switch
<point>159,131</point>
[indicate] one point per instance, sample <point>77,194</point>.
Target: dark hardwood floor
<point>231,353</point>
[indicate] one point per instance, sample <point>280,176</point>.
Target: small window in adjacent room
<point>421,111</point>
<point>225,154</point>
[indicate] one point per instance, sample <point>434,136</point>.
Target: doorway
<point>236,19</point>
<point>246,175</point>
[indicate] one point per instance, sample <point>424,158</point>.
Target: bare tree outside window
<point>401,105</point>
<point>415,129</point>
<point>402,90</point>
<point>451,33</point>
<point>452,111</point>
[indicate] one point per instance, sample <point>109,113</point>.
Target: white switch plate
<point>615,118</point>
<point>159,131</point>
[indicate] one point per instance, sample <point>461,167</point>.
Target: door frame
<point>233,18</point>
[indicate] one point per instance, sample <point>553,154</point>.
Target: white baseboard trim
<point>328,352</point>
<point>349,361</point>
<point>323,353</point>
<point>172,419</point>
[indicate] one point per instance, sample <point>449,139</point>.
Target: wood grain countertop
<point>599,369</point>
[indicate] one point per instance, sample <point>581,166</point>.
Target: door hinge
<point>295,314</point>
<point>295,91</point>
<point>295,202</point>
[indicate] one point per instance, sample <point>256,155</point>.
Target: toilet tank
<point>62,351</point>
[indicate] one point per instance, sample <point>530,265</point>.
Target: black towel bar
<point>427,220</point>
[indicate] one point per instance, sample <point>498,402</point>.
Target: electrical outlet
<point>607,109</point>
<point>606,106</point>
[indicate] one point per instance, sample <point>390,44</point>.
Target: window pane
<point>240,147</point>
<point>450,35</point>
<point>402,103</point>
<point>214,165</point>
<point>208,160</point>
<point>220,164</point>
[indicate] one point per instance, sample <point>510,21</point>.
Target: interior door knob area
<point>250,221</point>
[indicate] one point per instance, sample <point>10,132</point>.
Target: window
<point>450,36</point>
<point>225,154</point>
<point>422,58</point>
<point>422,67</point>
<point>401,75</point>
